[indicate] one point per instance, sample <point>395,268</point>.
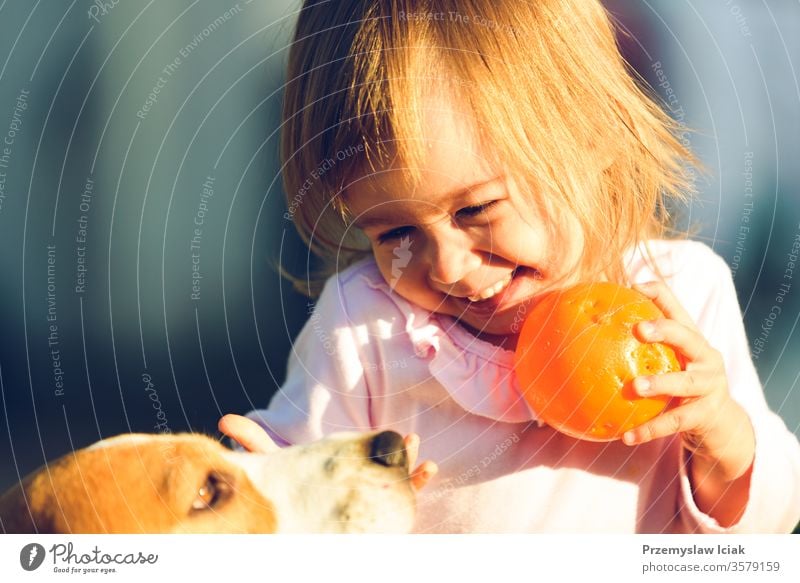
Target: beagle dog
<point>189,483</point>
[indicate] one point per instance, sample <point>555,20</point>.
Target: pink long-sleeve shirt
<point>368,359</point>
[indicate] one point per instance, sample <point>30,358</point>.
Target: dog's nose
<point>387,449</point>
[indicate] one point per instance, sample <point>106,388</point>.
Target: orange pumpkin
<point>577,356</point>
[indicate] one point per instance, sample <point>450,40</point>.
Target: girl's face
<point>467,242</point>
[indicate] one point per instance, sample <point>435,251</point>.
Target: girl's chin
<point>502,334</point>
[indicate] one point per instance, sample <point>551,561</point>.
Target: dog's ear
<point>15,516</point>
<point>19,514</point>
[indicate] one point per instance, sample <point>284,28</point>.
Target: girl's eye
<point>394,234</point>
<point>467,212</point>
<point>475,210</point>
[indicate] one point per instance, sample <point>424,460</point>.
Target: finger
<point>689,383</point>
<point>423,474</point>
<point>247,433</point>
<point>680,419</point>
<point>686,339</point>
<point>411,443</point>
<point>663,297</point>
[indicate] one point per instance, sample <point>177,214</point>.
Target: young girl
<point>453,160</point>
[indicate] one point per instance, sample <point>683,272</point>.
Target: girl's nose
<point>451,257</point>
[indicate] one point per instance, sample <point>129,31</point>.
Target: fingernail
<point>642,385</point>
<point>649,331</point>
<point>629,438</point>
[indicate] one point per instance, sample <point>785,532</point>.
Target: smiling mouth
<point>492,290</point>
<point>500,295</point>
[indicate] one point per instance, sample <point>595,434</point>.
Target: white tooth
<point>491,291</point>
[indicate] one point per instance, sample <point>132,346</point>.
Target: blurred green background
<point>143,153</point>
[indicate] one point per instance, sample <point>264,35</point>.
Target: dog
<point>189,483</point>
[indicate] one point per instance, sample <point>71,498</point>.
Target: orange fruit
<point>577,356</point>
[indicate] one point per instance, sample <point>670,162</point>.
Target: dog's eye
<point>215,490</point>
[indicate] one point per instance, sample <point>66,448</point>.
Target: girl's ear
<point>604,155</point>
<point>606,148</point>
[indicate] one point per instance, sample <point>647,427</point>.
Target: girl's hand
<point>714,429</point>
<point>251,436</point>
<point>423,473</point>
<point>247,433</point>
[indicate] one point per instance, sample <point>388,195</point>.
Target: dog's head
<point>190,483</point>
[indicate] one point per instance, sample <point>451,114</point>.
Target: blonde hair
<point>555,102</point>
